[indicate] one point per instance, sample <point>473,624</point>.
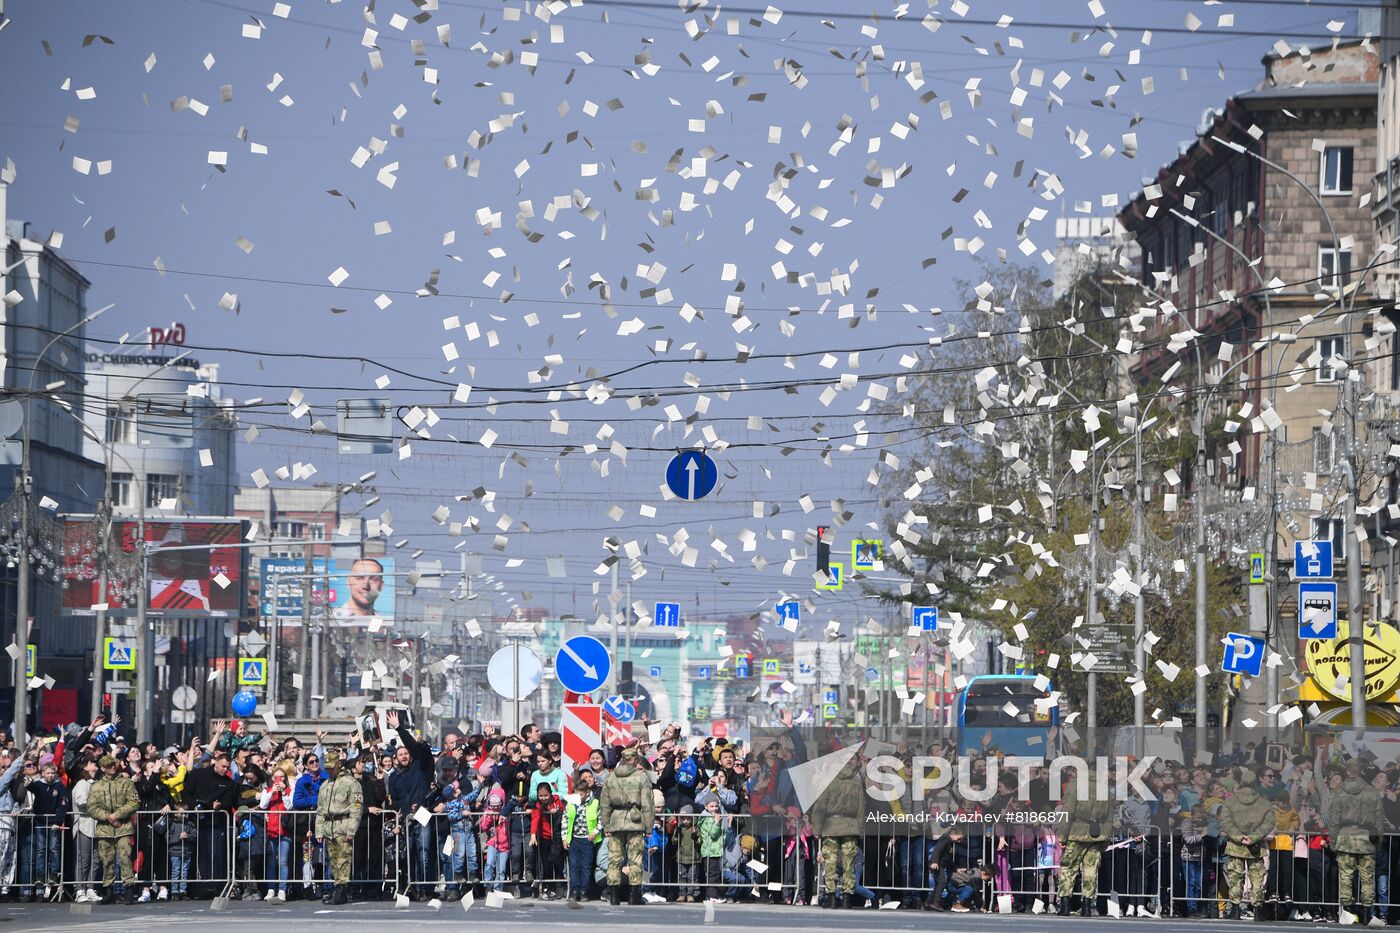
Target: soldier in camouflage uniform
<point>1354,817</point>
<point>1246,821</point>
<point>1085,835</point>
<point>836,817</point>
<point>625,810</point>
<point>338,810</point>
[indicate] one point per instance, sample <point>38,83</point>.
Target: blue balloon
<point>243,703</point>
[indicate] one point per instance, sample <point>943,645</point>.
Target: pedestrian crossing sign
<point>118,656</point>
<point>1256,568</point>
<point>771,667</point>
<point>829,710</point>
<point>252,672</point>
<point>834,579</point>
<point>31,660</point>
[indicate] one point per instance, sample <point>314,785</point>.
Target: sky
<point>589,212</point>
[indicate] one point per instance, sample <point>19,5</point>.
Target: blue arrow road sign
<point>691,475</point>
<point>926,618</point>
<point>619,709</point>
<point>655,670</point>
<point>1244,654</point>
<point>703,672</point>
<point>1312,560</point>
<point>1317,609</point>
<point>789,611</point>
<point>582,664</point>
<point>668,615</point>
<point>741,666</point>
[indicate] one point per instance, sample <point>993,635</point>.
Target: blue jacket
<point>7,800</point>
<point>307,790</point>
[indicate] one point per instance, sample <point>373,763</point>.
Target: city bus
<point>986,722</point>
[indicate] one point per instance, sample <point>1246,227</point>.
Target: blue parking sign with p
<point>1244,654</point>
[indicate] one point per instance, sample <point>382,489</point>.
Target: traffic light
<point>823,551</point>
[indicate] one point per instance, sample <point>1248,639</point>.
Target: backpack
<point>687,773</point>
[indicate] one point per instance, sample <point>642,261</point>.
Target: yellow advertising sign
<point>1329,661</point>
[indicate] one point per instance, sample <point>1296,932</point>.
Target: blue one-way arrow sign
<point>668,615</point>
<point>789,611</point>
<point>691,475</point>
<point>582,664</point>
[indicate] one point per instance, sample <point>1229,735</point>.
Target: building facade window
<point>161,486</point>
<point>289,529</point>
<point>1324,450</point>
<point>1334,530</point>
<point>1333,267</point>
<point>1336,170</point>
<point>1327,348</point>
<point>121,427</point>
<point>122,486</point>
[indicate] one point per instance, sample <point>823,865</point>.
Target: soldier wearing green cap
<point>1247,822</point>
<point>337,818</point>
<point>625,810</point>
<point>1354,819</point>
<point>111,802</point>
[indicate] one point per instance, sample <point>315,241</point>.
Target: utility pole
<point>1200,489</point>
<point>304,658</point>
<point>100,624</point>
<point>1091,708</point>
<point>22,489</point>
<point>1140,543</point>
<point>1355,631</point>
<point>612,647</point>
<point>145,661</point>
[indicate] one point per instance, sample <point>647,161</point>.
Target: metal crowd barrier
<point>279,854</point>
<point>44,858</point>
<point>33,850</point>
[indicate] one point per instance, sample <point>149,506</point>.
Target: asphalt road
<point>249,916</point>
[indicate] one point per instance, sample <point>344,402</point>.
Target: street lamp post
<point>1271,622</point>
<point>24,488</point>
<point>1355,635</point>
<point>311,649</point>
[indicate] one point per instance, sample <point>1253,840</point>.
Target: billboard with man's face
<point>353,591</point>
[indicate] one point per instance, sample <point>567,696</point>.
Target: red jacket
<point>544,820</point>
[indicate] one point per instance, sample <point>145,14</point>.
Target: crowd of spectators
<point>89,816</point>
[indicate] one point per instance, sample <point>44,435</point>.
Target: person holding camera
<point>1247,823</point>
